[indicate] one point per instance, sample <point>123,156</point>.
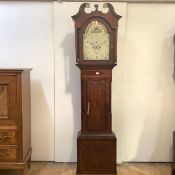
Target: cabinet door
<point>96,104</point>
<point>9,111</point>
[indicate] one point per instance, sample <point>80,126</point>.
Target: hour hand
<point>102,43</point>
<point>92,43</point>
<point>94,46</point>
<point>99,45</point>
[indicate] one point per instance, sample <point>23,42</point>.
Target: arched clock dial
<point>96,42</point>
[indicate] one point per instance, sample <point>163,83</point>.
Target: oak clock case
<point>96,55</point>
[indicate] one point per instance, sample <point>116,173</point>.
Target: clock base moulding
<point>96,154</point>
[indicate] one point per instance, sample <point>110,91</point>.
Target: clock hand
<point>92,43</point>
<point>102,43</point>
<point>98,46</point>
<point>94,46</point>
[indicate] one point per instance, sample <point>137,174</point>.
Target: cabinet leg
<point>22,172</point>
<point>172,169</point>
<point>29,163</point>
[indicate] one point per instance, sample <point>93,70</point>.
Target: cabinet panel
<point>96,104</point>
<point>94,151</point>
<point>8,99</point>
<point>3,102</point>
<point>97,101</point>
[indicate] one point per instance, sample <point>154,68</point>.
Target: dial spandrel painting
<point>96,42</point>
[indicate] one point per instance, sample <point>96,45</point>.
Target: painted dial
<point>96,42</point>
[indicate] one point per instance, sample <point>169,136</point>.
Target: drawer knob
<point>4,137</point>
<point>4,155</point>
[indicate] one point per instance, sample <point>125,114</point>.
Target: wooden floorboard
<point>50,168</point>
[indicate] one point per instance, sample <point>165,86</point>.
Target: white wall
<point>67,84</point>
<point>26,40</point>
<point>67,80</point>
<point>143,88</point>
<point>148,85</point>
<point>41,35</point>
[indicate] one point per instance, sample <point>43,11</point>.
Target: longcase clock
<point>96,55</point>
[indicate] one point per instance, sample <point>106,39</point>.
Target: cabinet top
<point>15,69</point>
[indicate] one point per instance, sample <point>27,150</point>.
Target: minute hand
<point>102,43</point>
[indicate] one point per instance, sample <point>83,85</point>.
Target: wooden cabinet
<point>15,118</point>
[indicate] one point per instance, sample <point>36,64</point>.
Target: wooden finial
<point>81,10</point>
<point>111,9</point>
<point>96,7</point>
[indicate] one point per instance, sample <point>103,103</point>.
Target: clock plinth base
<point>96,154</point>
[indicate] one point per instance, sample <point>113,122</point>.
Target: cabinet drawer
<point>8,137</point>
<point>8,154</point>
<point>96,73</point>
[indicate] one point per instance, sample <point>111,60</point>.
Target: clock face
<point>96,42</point>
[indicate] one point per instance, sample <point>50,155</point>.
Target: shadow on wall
<point>38,101</point>
<point>72,75</point>
<point>117,94</point>
<point>163,91</point>
<point>174,59</point>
